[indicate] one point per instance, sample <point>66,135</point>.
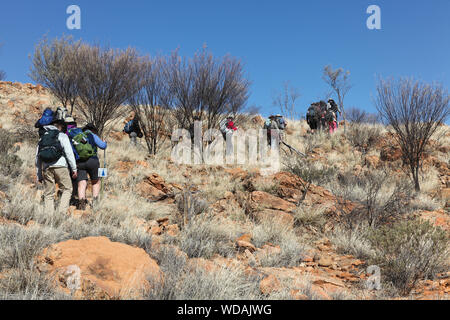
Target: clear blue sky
<point>277,40</point>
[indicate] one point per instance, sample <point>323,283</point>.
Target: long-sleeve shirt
<point>68,158</point>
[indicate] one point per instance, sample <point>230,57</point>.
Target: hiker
<point>270,125</point>
<point>192,128</point>
<point>70,123</point>
<point>45,120</point>
<point>61,113</point>
<point>227,126</point>
<point>133,129</point>
<point>54,156</point>
<point>331,119</point>
<point>312,117</point>
<point>323,124</point>
<point>86,142</point>
<point>333,106</point>
<point>282,124</point>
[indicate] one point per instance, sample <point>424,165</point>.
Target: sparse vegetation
<point>414,110</point>
<point>276,233</point>
<point>194,282</point>
<point>408,251</point>
<point>205,236</point>
<point>208,232</point>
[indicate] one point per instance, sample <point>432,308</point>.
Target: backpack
<point>223,125</point>
<point>61,113</point>
<point>47,117</point>
<point>311,112</point>
<point>329,116</point>
<point>50,149</point>
<point>281,123</point>
<point>128,126</point>
<point>80,142</point>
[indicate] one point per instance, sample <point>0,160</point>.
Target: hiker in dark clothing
<point>85,143</point>
<point>312,117</point>
<point>335,108</point>
<point>133,129</point>
<point>70,123</point>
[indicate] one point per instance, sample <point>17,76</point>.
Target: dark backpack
<point>128,126</point>
<point>50,149</point>
<point>311,112</point>
<point>329,116</point>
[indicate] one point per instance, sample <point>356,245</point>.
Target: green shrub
<point>408,251</point>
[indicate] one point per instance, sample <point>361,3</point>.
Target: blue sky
<point>277,40</point>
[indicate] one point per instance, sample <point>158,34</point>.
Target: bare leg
<point>82,185</point>
<point>95,188</point>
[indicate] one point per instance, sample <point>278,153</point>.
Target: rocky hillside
<point>308,232</point>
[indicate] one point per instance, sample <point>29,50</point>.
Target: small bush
<point>353,241</point>
<point>379,197</point>
<point>27,133</point>
<point>183,281</point>
<point>24,284</point>
<point>18,246</point>
<point>309,217</point>
<point>408,251</point>
<point>363,136</point>
<point>205,236</point>
<point>278,234</point>
<point>11,163</point>
<point>311,171</point>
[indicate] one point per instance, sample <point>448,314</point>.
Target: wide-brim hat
<point>69,119</point>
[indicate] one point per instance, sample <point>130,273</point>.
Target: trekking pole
<point>293,149</point>
<point>104,166</point>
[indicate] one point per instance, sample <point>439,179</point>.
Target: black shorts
<point>89,167</point>
<point>313,124</point>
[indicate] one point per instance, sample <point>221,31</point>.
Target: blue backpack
<point>128,126</point>
<point>47,117</point>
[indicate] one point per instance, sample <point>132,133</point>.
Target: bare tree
<point>207,88</point>
<point>54,66</point>
<point>339,81</point>
<point>153,102</point>
<point>107,79</point>
<point>286,101</point>
<point>357,115</point>
<point>414,110</point>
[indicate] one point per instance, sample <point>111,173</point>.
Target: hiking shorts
<point>89,167</point>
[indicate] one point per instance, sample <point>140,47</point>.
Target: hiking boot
<point>81,205</point>
<point>73,202</point>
